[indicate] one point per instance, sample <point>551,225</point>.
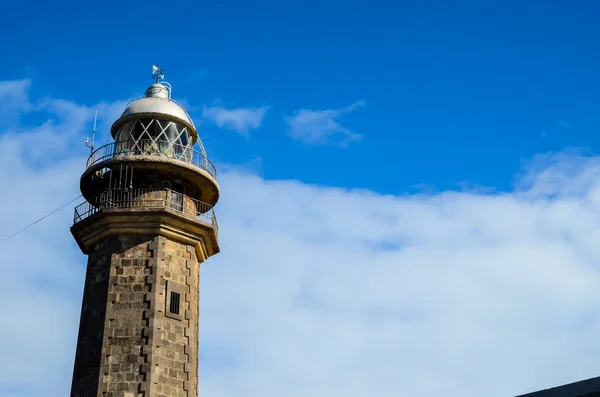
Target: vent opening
<point>174,306</point>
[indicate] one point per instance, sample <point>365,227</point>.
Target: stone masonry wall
<point>91,325</point>
<point>126,344</point>
<point>129,344</point>
<point>176,339</point>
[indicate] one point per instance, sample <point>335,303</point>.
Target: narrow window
<point>174,306</point>
<point>174,295</point>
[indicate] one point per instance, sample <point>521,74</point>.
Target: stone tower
<point>146,225</point>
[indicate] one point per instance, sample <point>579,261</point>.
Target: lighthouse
<point>146,225</point>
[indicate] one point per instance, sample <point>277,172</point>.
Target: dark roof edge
<point>583,388</point>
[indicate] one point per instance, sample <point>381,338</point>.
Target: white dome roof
<point>160,106</point>
<point>155,103</point>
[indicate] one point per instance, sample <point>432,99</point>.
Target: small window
<point>174,306</point>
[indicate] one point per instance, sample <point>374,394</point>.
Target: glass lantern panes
<point>152,136</point>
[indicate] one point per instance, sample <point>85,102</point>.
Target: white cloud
<point>15,92</point>
<point>42,271</point>
<point>325,292</point>
<point>14,97</point>
<point>317,127</point>
<point>241,120</point>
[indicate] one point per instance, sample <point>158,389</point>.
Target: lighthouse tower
<point>146,225</point>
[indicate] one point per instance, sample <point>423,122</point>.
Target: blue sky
<point>454,91</point>
<point>410,191</point>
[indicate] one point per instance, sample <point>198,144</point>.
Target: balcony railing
<point>148,147</point>
<point>147,199</point>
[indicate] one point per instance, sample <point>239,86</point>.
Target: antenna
<point>93,134</point>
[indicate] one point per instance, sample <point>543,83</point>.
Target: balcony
<point>147,199</point>
<point>149,147</point>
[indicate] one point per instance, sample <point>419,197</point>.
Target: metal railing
<point>147,199</point>
<point>148,147</point>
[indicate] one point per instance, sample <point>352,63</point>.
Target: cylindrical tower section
<point>156,146</point>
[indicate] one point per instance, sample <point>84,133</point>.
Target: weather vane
<point>157,73</point>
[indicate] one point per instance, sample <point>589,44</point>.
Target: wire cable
<point>41,219</point>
